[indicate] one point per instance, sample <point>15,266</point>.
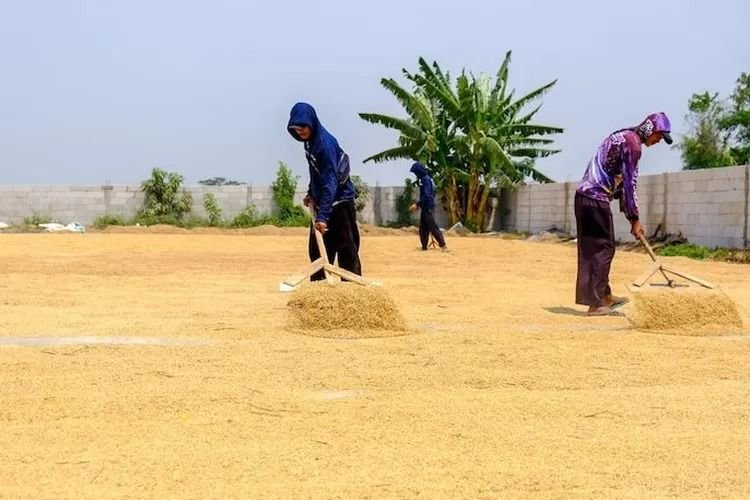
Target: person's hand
<point>413,207</point>
<point>307,200</point>
<point>321,226</point>
<point>636,229</point>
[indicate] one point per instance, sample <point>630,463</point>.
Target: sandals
<point>618,302</point>
<point>600,311</point>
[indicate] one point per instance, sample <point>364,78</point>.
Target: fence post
<point>666,201</point>
<point>747,193</point>
<point>107,192</point>
<point>377,205</point>
<point>566,227</point>
<point>528,226</point>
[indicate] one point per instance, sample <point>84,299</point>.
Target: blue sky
<point>95,91</point>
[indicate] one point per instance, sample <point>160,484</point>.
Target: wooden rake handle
<point>663,270</point>
<point>330,278</point>
<point>648,247</point>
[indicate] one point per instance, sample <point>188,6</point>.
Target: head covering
<point>656,122</point>
<point>303,115</point>
<point>418,169</point>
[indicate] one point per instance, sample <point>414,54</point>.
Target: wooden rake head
<point>666,272</point>
<point>333,274</point>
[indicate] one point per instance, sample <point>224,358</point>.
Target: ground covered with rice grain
<point>692,311</point>
<point>503,388</point>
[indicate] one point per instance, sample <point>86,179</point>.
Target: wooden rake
<point>333,273</point>
<point>658,267</point>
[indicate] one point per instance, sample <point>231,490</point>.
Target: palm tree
<point>473,137</point>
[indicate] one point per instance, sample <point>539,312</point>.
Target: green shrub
<point>212,209</point>
<point>36,218</point>
<point>283,189</point>
<point>246,218</point>
<point>165,196</point>
<point>104,221</point>
<point>685,250</point>
<point>146,219</point>
<point>703,253</point>
<point>403,201</point>
<point>286,213</point>
<point>363,192</point>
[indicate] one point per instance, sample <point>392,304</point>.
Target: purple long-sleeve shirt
<point>617,156</point>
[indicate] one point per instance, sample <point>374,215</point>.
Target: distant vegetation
<point>719,133</point>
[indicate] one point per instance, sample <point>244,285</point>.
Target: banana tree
<point>473,136</point>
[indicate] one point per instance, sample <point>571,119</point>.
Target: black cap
<point>667,137</point>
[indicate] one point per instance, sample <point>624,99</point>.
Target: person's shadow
<point>569,311</point>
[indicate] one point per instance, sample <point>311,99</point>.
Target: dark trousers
<point>427,226</point>
<point>341,239</point>
<point>596,248</point>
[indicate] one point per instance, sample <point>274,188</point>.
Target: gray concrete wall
<point>709,207</point>
<point>85,203</point>
<point>66,203</point>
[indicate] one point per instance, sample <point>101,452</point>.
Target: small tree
<point>165,196</point>
<point>719,132</point>
<point>737,120</point>
<point>284,188</point>
<point>706,145</point>
<point>362,191</point>
<point>403,202</point>
<point>212,208</point>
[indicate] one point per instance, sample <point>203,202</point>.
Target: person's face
<point>654,138</point>
<point>303,132</point>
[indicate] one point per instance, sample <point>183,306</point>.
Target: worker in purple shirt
<point>611,174</point>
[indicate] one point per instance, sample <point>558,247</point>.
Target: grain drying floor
<point>502,390</point>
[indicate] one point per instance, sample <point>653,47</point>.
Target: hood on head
<point>303,115</point>
<point>656,122</point>
<point>418,169</point>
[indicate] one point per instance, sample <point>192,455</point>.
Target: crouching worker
<point>426,204</point>
<point>611,173</point>
<point>331,192</point>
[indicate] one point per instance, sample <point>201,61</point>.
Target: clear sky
<point>104,90</point>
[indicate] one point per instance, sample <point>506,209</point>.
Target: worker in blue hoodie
<point>426,204</point>
<point>331,191</point>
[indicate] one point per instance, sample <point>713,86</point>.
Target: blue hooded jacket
<point>323,156</point>
<point>426,187</point>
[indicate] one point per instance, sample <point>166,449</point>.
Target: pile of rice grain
<point>688,311</point>
<point>346,310</point>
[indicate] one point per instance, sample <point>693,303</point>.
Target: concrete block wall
<point>118,200</point>
<point>508,210</point>
<point>651,192</point>
<point>570,216</point>
<point>538,207</point>
<point>231,199</point>
<point>85,203</point>
<point>709,207</point>
<point>381,207</point>
<point>234,199</point>
<point>63,202</point>
<point>545,207</point>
